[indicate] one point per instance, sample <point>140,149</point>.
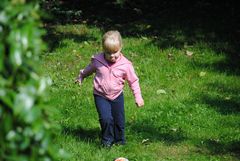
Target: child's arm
<point>133,82</point>
<point>90,69</point>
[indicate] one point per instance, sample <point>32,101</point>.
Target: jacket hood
<point>120,61</point>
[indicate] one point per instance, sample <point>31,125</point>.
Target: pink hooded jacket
<point>109,78</point>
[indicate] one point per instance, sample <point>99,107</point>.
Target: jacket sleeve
<point>133,82</point>
<point>90,69</point>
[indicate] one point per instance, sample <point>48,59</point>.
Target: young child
<point>111,70</point>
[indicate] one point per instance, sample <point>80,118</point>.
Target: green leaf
<point>16,56</point>
<point>3,17</point>
<point>6,97</point>
<point>8,123</point>
<point>1,57</point>
<point>1,111</point>
<point>23,102</point>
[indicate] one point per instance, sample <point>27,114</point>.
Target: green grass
<point>197,118</point>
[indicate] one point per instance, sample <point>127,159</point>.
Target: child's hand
<point>79,80</point>
<point>140,104</point>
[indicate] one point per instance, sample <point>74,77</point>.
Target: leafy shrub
<point>24,130</point>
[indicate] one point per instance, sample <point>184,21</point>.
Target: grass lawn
<point>191,93</point>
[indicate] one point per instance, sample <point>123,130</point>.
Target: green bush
<point>24,130</point>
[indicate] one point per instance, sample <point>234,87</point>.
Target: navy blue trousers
<point>112,119</point>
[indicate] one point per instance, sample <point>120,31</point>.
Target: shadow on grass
<point>230,65</point>
<point>223,97</point>
<point>216,147</point>
<point>163,134</point>
<point>224,106</point>
<point>227,99</point>
<point>54,37</point>
<point>143,130</point>
<point>83,134</point>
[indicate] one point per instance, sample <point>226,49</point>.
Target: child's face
<point>112,55</point>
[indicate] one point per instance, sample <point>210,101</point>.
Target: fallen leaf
<point>144,141</point>
<point>138,11</point>
<point>227,98</point>
<point>189,53</point>
<point>202,74</point>
<point>170,56</point>
<point>144,38</point>
<point>161,91</point>
<point>148,26</point>
<point>86,43</point>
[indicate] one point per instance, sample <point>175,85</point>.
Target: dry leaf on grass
<point>189,53</point>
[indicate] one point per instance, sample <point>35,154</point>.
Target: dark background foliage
<point>203,20</point>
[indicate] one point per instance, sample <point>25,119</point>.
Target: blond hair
<point>112,41</point>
